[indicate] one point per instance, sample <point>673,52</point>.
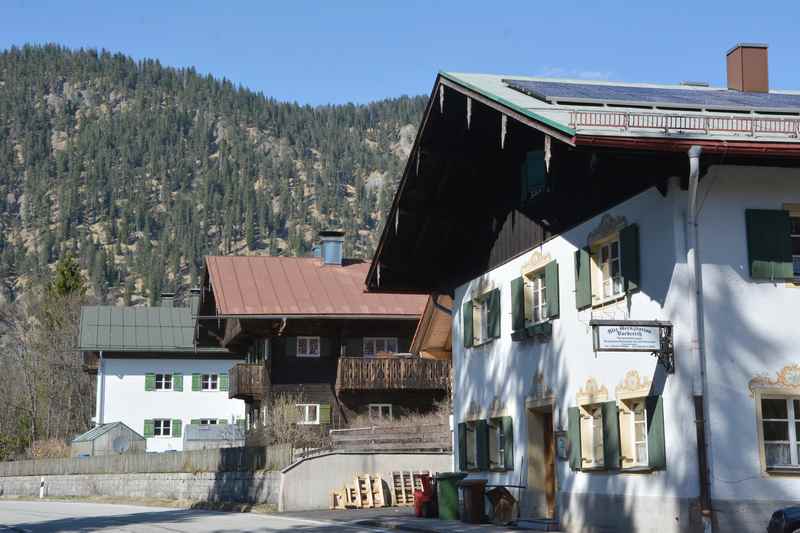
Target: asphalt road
<point>34,517</point>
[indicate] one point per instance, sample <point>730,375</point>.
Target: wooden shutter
<point>629,244</point>
<point>656,441</point>
<point>769,244</point>
<point>177,429</point>
<point>149,382</point>
<point>482,444</point>
<point>222,421</point>
<point>324,413</point>
<point>462,446</point>
<point>583,279</point>
<point>508,439</point>
<point>611,452</point>
<point>627,449</point>
<point>223,382</point>
<point>494,314</point>
<point>574,436</point>
<point>466,317</point>
<point>517,304</point>
<point>195,382</point>
<point>533,175</point>
<point>177,382</point>
<point>551,288</point>
<point>149,426</point>
<point>194,422</point>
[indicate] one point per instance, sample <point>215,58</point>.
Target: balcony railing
<point>398,373</point>
<point>247,381</point>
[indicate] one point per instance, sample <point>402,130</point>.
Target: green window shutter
<point>462,446</point>
<point>629,243</point>
<point>583,279</point>
<point>533,175</point>
<point>494,314</point>
<point>574,436</point>
<point>466,316</point>
<point>611,446</point>
<point>517,304</point>
<point>177,428</point>
<point>195,382</point>
<point>177,382</point>
<point>508,439</point>
<point>222,421</point>
<point>149,426</point>
<point>195,421</point>
<point>656,442</point>
<point>769,245</point>
<point>551,285</point>
<point>242,423</point>
<point>223,382</point>
<point>324,413</point>
<point>149,382</point>
<point>482,444</point>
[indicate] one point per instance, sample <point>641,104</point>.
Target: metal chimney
<point>167,299</point>
<point>747,68</point>
<point>332,241</point>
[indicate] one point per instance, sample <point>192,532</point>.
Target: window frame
<point>305,419</point>
<point>207,422</point>
<point>480,320</point>
<point>595,425</point>
<point>160,425</point>
<point>471,446</point>
<point>374,341</point>
<point>627,416</point>
<point>533,283</point>
<point>305,352</point>
<point>792,421</point>
<point>496,451</point>
<point>598,275</point>
<point>206,382</point>
<point>380,407</point>
<point>165,379</point>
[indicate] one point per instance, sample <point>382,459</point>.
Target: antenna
<point>121,444</point>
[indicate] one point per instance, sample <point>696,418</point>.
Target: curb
<point>395,526</point>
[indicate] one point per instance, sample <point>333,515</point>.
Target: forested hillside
<point>140,170</point>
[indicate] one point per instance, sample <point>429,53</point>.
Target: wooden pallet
<point>404,484</point>
<point>366,492</point>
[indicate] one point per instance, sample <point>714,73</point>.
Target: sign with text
<point>627,337</point>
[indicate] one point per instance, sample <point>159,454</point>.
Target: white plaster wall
<point>750,328</point>
<point>126,400</point>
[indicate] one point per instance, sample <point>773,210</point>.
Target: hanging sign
<point>628,335</point>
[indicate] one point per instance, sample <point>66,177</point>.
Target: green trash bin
<point>447,494</point>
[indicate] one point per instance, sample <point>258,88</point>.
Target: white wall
<point>126,401</point>
<point>750,329</point>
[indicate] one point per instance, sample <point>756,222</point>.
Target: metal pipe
<point>440,307</point>
<point>101,392</point>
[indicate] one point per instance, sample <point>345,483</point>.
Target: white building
<point>152,376</point>
<point>550,207</point>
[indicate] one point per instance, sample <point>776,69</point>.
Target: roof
<point>301,286</point>
<point>195,432</point>
<point>433,337</point>
<point>102,429</point>
<point>137,329</point>
<point>581,107</point>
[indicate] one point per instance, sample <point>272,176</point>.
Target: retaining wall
<point>221,486</point>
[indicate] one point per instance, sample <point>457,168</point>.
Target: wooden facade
<point>392,373</point>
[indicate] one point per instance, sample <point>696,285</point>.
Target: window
<point>795,235</point>
<point>497,444</point>
<point>209,382</point>
<point>633,433</point>
<point>259,351</point>
<point>162,427</point>
<point>163,381</point>
<point>780,421</point>
<point>481,318</point>
<point>379,345</point>
<point>208,422</point>
<point>471,446</point>
<point>535,297</point>
<point>608,262</point>
<point>380,411</point>
<point>592,437</point>
<point>480,321</point>
<point>309,413</point>
<point>307,346</point>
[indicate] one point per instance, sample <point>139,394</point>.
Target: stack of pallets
<point>404,484</point>
<point>366,492</point>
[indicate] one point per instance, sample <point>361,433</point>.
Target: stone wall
<point>220,486</point>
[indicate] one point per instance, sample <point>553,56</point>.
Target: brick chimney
<point>747,68</point>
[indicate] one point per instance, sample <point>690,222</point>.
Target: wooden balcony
<point>392,373</point>
<point>247,382</point>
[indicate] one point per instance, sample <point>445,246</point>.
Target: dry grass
<point>49,449</point>
<point>439,415</point>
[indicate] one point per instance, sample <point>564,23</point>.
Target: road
<point>34,517</point>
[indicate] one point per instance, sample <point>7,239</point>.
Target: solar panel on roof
<point>554,91</point>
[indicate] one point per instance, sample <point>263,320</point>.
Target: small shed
<point>108,439</point>
<point>202,437</point>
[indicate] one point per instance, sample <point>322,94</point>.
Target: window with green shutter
<point>223,382</point>
<point>583,279</point>
<point>466,317</point>
<point>493,327</point>
<point>148,428</point>
<point>462,446</point>
<point>656,438</point>
<point>482,444</point>
<point>574,437</point>
<point>195,382</point>
<point>177,382</point>
<point>501,443</point>
<point>551,284</point>
<point>611,446</point>
<point>533,175</point>
<point>769,244</point>
<point>629,244</point>
<point>177,428</point>
<point>324,413</point>
<point>150,382</point>
<point>517,304</point>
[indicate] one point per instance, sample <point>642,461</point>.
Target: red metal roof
<point>285,286</point>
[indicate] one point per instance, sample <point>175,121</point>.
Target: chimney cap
<point>746,45</point>
<point>331,233</point>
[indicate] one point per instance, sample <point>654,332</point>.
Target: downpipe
<point>699,386</point>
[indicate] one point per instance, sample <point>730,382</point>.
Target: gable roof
<point>301,286</point>
<point>102,429</point>
<point>138,329</point>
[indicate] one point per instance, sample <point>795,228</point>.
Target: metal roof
<point>287,286</point>
<point>137,329</point>
<point>102,429</point>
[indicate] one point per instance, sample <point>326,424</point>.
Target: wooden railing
<point>247,381</point>
<point>398,373</point>
<point>428,438</point>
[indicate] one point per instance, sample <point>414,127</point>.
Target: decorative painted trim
<point>482,287</point>
<point>536,261</point>
<point>496,408</point>
<point>786,381</point>
<point>592,392</point>
<point>608,226</point>
<point>473,411</point>
<point>633,386</point>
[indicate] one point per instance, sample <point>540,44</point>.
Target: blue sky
<point>338,51</point>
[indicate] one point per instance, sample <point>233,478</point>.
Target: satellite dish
<point>121,444</point>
